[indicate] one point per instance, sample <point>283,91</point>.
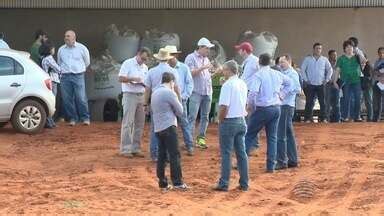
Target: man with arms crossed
<point>269,89</point>
<point>286,143</point>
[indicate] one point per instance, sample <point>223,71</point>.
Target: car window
<point>18,68</point>
<point>6,66</point>
<point>9,66</point>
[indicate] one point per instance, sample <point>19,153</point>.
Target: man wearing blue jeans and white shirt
<point>269,89</point>
<point>201,98</point>
<point>153,81</point>
<point>232,126</point>
<point>186,88</point>
<point>132,75</point>
<point>73,58</point>
<point>286,143</point>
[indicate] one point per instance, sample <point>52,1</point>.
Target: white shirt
<point>250,66</point>
<point>233,94</point>
<point>131,68</point>
<point>3,44</point>
<point>73,59</point>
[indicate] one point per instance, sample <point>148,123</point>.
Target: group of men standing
<point>166,89</point>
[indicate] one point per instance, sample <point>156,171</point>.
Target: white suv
<point>26,97</point>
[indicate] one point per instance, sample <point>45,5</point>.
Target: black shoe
<point>242,188</point>
<point>270,171</point>
<point>167,188</point>
<point>219,188</point>
<point>190,152</point>
<point>345,120</point>
<point>292,165</point>
<point>281,167</point>
<point>358,120</point>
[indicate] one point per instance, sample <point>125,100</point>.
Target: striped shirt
<point>50,66</point>
<point>202,82</point>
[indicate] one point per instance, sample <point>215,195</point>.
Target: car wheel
<point>2,124</point>
<point>29,117</point>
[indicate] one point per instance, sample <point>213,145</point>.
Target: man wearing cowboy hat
<point>201,97</point>
<point>153,81</point>
<point>186,87</point>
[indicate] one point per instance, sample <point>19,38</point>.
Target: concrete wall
<point>297,29</point>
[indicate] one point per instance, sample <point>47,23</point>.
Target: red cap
<point>245,46</point>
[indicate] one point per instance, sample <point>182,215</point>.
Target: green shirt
<point>35,56</point>
<point>216,86</point>
<point>350,70</point>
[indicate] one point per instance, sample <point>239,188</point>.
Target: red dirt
<point>76,170</point>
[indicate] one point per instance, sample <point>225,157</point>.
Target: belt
<point>63,74</point>
<point>237,118</point>
<point>134,93</point>
<point>263,107</point>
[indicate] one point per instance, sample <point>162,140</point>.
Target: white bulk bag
<point>122,44</point>
<point>154,39</point>
<point>264,42</point>
<point>217,54</point>
<point>103,80</point>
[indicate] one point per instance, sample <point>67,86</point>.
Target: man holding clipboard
<point>132,75</point>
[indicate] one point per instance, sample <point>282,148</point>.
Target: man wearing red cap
<point>250,64</point>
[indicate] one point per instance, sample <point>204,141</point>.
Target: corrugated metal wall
<point>188,4</point>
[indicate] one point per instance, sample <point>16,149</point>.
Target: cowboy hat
<point>172,49</point>
<point>163,55</point>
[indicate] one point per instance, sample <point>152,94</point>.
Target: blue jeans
<point>367,95</point>
<point>232,132</point>
<point>154,142</point>
<point>351,92</point>
<point>74,99</point>
<point>286,143</point>
<point>50,121</point>
<point>267,117</point>
<point>378,99</point>
<point>202,102</point>
<point>334,102</point>
<point>185,127</point>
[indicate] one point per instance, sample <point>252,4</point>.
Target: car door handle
<point>15,85</point>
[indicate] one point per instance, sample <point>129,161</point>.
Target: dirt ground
<point>76,170</point>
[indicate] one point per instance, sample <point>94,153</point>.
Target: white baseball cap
<point>205,42</point>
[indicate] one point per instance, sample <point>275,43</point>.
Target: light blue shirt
<point>74,59</point>
<point>186,81</point>
<point>316,71</point>
<point>269,88</point>
<point>202,82</point>
<point>3,44</point>
<point>250,66</point>
<point>155,74</point>
<point>290,98</point>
